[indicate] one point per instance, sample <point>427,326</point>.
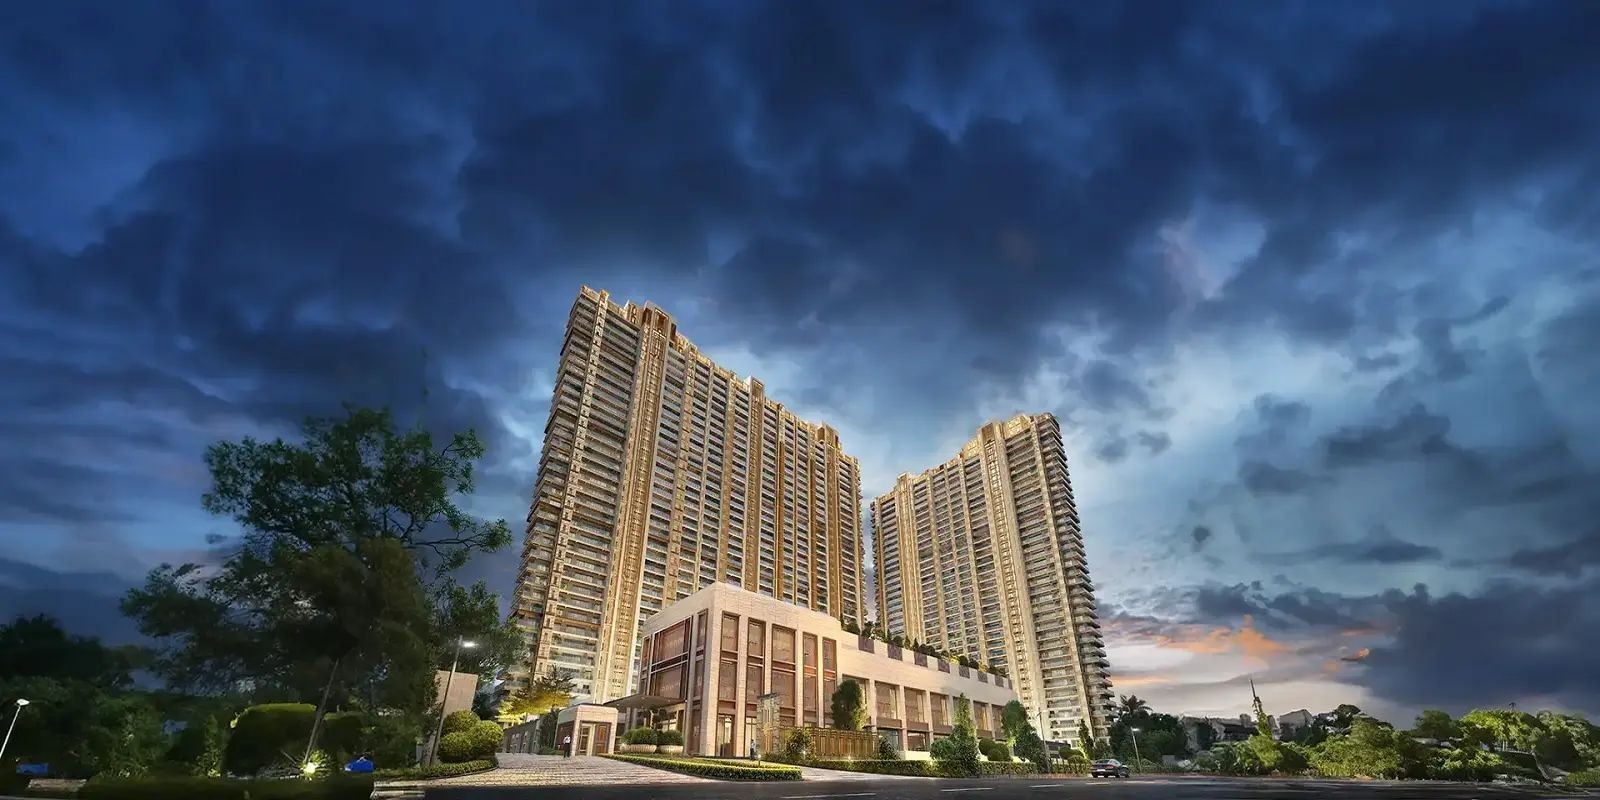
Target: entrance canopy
<point>644,702</point>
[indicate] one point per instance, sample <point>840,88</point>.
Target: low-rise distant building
<point>1293,723</point>
<point>1223,729</point>
<point>709,658</point>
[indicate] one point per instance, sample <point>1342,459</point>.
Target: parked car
<point>1108,768</point>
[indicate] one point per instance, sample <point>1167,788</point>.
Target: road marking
<point>814,796</point>
<point>969,789</point>
<point>1046,785</point>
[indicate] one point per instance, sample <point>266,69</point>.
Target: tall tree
<point>1435,724</point>
<point>1013,719</point>
<point>349,539</point>
<point>547,692</point>
<point>1131,705</point>
<point>849,706</point>
<point>38,647</point>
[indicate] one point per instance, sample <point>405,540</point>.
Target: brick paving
<point>522,769</point>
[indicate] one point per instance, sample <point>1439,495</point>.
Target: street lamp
<point>433,755</point>
<point>9,728</point>
<point>1135,732</point>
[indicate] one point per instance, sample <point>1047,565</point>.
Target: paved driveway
<point>522,769</point>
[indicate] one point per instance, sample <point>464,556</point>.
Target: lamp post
<point>433,754</point>
<point>1135,732</point>
<point>9,728</point>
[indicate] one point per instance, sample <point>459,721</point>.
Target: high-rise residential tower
<point>662,473</point>
<point>983,555</point>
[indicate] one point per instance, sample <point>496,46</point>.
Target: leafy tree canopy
<point>548,692</point>
<point>1435,724</point>
<point>849,707</point>
<point>349,538</point>
<point>39,647</point>
<point>1013,720</point>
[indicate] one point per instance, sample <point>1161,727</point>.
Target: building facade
<point>710,657</point>
<point>983,555</point>
<point>663,472</point>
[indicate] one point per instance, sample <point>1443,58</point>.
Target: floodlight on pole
<point>438,731</point>
<point>21,701</point>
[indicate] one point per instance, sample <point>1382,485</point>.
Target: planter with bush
<point>638,740</point>
<point>669,742</point>
<point>721,770</point>
<point>341,787</point>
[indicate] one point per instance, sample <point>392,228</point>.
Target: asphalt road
<point>1138,788</point>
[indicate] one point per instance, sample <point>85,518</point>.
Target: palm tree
<point>1130,705</point>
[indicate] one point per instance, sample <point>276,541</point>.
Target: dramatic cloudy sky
<point>1313,286</point>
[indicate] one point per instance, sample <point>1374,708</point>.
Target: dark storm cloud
<point>84,602</point>
<point>1263,478</point>
<point>250,213</point>
<point>1381,548</point>
<point>1154,441</point>
<point>1570,558</point>
<point>1536,641</point>
<point>1376,363</point>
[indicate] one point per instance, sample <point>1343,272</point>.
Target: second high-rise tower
<point>983,555</point>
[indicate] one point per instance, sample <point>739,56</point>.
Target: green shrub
<point>1587,777</point>
<point>475,743</point>
<point>262,736</point>
<point>888,749</point>
<point>640,735</point>
<point>435,771</point>
<point>390,740</point>
<point>456,748</point>
<point>670,738</point>
<point>957,753</point>
<point>343,787</point>
<point>994,751</point>
<point>460,722</point>
<point>341,734</point>
<point>1466,763</point>
<point>920,769</point>
<point>797,746</point>
<point>724,770</point>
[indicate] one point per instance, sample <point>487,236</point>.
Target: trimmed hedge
<point>344,787</point>
<point>722,770</point>
<point>435,771</point>
<point>670,738</point>
<point>995,751</point>
<point>878,766</point>
<point>640,735</point>
<point>478,741</point>
<point>263,733</point>
<point>1007,768</point>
